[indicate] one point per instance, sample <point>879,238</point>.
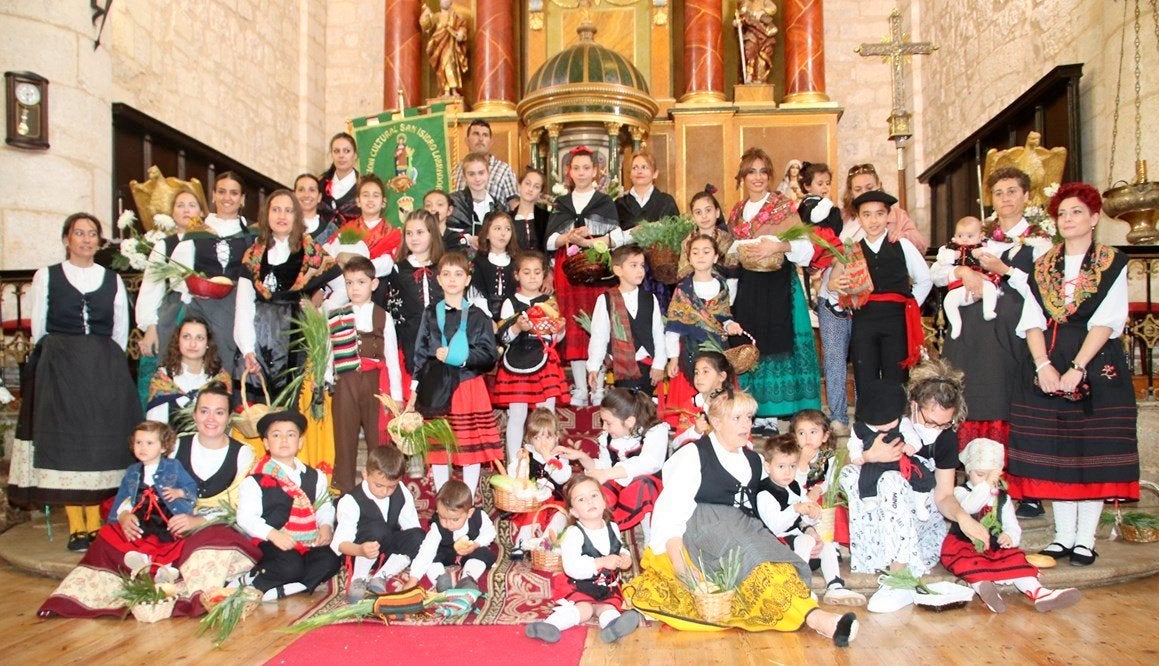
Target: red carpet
<point>373,643</point>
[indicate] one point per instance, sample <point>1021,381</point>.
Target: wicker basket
<point>743,357</point>
<point>401,442</point>
<point>1137,535</point>
<point>582,271</point>
<point>767,265</point>
<point>247,422</point>
<point>828,525</point>
<point>505,500</point>
<point>149,613</point>
<point>664,261</point>
<point>715,607</point>
<point>548,561</point>
<point>211,598</point>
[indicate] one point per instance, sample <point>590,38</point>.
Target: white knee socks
<point>473,568</point>
<point>564,617</point>
<point>471,476</point>
<point>1065,522</point>
<point>442,474</point>
<point>608,616</point>
<point>1088,522</point>
<point>579,378</point>
<point>516,418</point>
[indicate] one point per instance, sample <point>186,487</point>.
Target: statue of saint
<point>754,21</point>
<point>446,47</point>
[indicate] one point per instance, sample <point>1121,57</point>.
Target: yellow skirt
<point>318,445</point>
<point>772,597</point>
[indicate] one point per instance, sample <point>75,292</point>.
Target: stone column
<point>703,63</point>
<point>494,57</point>
<point>402,60</point>
<point>536,153</point>
<point>553,165</point>
<point>613,149</point>
<point>804,52</point>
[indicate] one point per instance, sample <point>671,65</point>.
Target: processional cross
<point>896,50</point>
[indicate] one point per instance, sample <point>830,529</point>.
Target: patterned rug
<point>514,593</point>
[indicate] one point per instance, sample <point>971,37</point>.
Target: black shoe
<point>1082,559</point>
<point>516,554</point>
<point>78,541</point>
<point>1029,508</point>
<point>1057,551</point>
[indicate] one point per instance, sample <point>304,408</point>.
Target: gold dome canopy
<point>587,83</point>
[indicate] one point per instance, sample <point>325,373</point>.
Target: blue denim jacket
<point>170,474</point>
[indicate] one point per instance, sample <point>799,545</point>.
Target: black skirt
<point>991,354</point>
<point>764,307</point>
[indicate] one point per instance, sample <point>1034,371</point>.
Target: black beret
<point>270,419</point>
<point>882,401</point>
<point>874,195</point>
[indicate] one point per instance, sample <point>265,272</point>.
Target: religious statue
<point>757,31</point>
<point>446,47</point>
<point>1044,166</point>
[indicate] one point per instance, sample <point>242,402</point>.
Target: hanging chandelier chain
<point>1138,89</point>
<point>1118,99</point>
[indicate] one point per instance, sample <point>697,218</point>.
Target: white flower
<point>154,236</point>
<point>126,220</point>
<point>164,223</point>
<point>559,189</point>
<point>1047,225</point>
<point>136,255</point>
<point>5,396</point>
<point>1050,190</point>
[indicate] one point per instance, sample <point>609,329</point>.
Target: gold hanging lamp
<point>1136,203</point>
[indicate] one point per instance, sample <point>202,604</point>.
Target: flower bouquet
<point>713,590</point>
<point>662,241</point>
<point>832,499</point>
<point>350,241</point>
<point>134,250</point>
<point>590,266</point>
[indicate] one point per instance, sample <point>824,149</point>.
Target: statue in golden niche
<point>757,32</point>
<point>446,46</point>
<point>1045,166</point>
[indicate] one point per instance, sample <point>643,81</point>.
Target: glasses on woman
<point>930,423</point>
<point>858,169</point>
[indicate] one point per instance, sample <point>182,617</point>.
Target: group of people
<point>474,302</point>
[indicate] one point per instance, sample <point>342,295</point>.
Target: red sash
<point>914,335</point>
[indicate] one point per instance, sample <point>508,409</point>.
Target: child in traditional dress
<point>880,413</point>
<point>816,208</point>
<point>580,219</point>
<point>886,338</point>
<point>530,371</point>
<point>438,203</point>
<point>627,327</point>
<point>529,215</point>
<point>460,337</point>
<point>459,534</point>
<point>811,429</point>
<point>377,524</point>
<point>1000,562</point>
<point>410,287</point>
<point>699,314</point>
<point>155,489</point>
<point>633,446</point>
<point>593,555</point>
<point>550,468</point>
<point>285,505</point>
<point>190,362</point>
<point>364,360</point>
<point>711,374</point>
<point>471,205</point>
<point>792,516</point>
<point>960,252</point>
<point>708,220</point>
<point>494,274</point>
<point>381,239</point>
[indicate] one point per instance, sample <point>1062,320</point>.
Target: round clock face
<point>27,94</point>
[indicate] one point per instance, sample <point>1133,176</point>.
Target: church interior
<point>930,93</point>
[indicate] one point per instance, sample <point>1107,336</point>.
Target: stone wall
<point>42,187</point>
<point>354,52</point>
<point>991,52</point>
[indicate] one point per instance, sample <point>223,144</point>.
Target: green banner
<point>409,152</point>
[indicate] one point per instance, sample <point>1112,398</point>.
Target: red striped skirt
<point>630,503</point>
<point>159,552</point>
<point>541,518</point>
<point>473,421</point>
<point>547,382</point>
<point>573,298</point>
<point>960,558</point>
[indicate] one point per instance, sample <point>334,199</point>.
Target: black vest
<point>956,529</point>
<point>284,277</point>
<point>589,548</point>
<point>276,503</point>
<point>887,268</point>
<point>617,456</point>
<point>782,496</point>
<point>641,324</point>
<point>537,470</point>
<point>68,308</point>
<point>372,525</point>
<point>598,587</point>
<point>717,486</point>
<point>151,511</point>
<point>209,250</point>
<point>221,479</point>
<point>446,551</point>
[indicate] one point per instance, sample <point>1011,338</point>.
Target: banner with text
<point>409,152</point>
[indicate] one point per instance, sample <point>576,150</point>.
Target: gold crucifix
<point>896,50</point>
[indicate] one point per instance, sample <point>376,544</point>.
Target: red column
<point>703,64</point>
<point>402,54</point>
<point>804,52</point>
<point>494,56</point>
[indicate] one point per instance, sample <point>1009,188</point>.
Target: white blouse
<point>186,381</point>
<point>244,309</point>
<point>249,502</point>
<point>1112,312</point>
<point>601,335</point>
<point>349,514</point>
<point>86,280</point>
<point>647,461</point>
<point>575,563</point>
